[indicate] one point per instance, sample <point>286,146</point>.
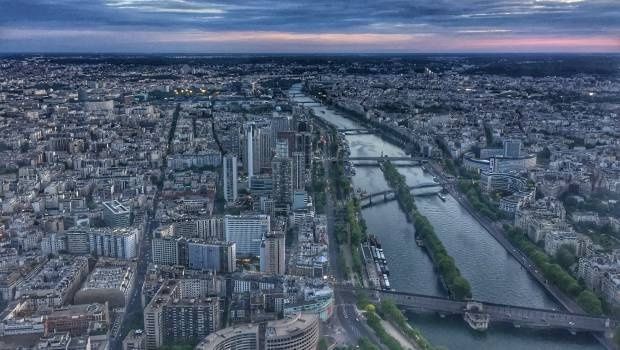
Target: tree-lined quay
<point>458,287</point>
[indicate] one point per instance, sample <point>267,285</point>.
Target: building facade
<point>247,232</point>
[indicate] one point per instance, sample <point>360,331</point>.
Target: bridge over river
<point>519,316</point>
<point>370,199</point>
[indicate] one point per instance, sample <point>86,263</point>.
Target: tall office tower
<point>213,256</point>
<point>272,254</point>
<point>282,175</point>
<point>229,166</point>
<point>281,148</point>
<point>289,136</point>
<point>248,129</point>
<point>299,171</point>
<point>115,214</point>
<point>279,123</point>
<point>247,232</point>
<point>303,143</point>
<point>512,148</point>
<point>263,150</point>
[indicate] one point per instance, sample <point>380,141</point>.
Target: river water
<point>494,275</point>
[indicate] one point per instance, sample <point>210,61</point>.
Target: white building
<point>118,243</point>
<point>556,239</point>
<point>247,231</point>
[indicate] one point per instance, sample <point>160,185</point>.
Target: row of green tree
<point>318,187</point>
<point>390,311</point>
<point>555,273</point>
<point>341,184</point>
<point>457,285</point>
<point>374,321</point>
<point>479,201</point>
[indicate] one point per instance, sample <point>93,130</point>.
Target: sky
<point>309,26</point>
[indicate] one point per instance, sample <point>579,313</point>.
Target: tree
<point>617,336</point>
<point>590,302</point>
<point>461,288</point>
<point>323,345</point>
<point>565,256</point>
<point>370,308</point>
<point>366,344</point>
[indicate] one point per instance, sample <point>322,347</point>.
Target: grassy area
<point>457,285</point>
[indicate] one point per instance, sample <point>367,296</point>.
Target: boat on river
<point>419,241</point>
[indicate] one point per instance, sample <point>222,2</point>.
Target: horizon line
<point>307,53</point>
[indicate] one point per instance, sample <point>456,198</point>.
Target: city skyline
<point>193,26</point>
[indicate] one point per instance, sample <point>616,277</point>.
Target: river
<point>494,275</point>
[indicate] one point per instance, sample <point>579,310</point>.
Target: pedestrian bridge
<point>519,316</point>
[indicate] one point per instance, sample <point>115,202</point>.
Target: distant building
<point>229,177</point>
<point>300,199</point>
<point>299,171</point>
<point>248,130</point>
<point>554,240</point>
<point>592,269</point>
<point>171,318</point>
<point>512,148</point>
<point>272,254</point>
<point>214,256</point>
<point>120,243</point>
<point>247,232</point>
<point>294,332</point>
<point>56,282</point>
<point>115,214</point>
<point>165,251</point>
<point>77,242</point>
<point>134,340</point>
<point>78,319</point>
<point>282,177</point>
<point>111,281</point>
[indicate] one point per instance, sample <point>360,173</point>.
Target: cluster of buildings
<point>173,191</point>
<point>169,189</point>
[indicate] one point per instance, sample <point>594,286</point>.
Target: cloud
<point>314,20</point>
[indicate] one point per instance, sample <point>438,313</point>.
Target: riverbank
<point>483,261</point>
